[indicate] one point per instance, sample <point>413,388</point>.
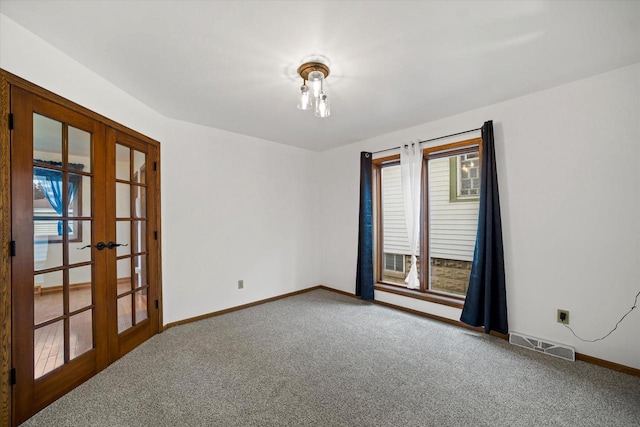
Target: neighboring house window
<point>448,235</point>
<point>394,263</point>
<point>464,177</point>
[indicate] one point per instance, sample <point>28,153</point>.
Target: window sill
<point>410,293</point>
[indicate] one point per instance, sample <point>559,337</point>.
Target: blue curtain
<point>486,302</point>
<point>51,183</point>
<point>364,274</point>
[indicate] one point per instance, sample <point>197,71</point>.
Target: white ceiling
<point>394,64</point>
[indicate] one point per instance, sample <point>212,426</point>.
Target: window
<point>46,190</point>
<point>394,263</point>
<point>449,212</point>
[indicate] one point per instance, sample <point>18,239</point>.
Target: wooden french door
<point>132,265</point>
<point>85,265</point>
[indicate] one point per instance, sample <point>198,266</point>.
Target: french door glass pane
<point>123,236</point>
<point>123,162</point>
<point>47,139</point>
<point>79,149</point>
<point>80,333</point>
<point>140,271</point>
<point>139,171</point>
<point>140,233</point>
<point>48,348</point>
<point>46,254</point>
<point>48,297</point>
<point>80,250</point>
<point>141,305</point>
<point>47,194</point>
<point>141,202</point>
<point>123,267</point>
<point>80,285</point>
<point>125,313</point>
<point>123,200</point>
<point>86,194</point>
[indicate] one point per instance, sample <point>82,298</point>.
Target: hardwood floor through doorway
<point>49,340</point>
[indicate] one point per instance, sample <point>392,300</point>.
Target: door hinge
<point>10,121</point>
<point>12,376</point>
<point>155,235</point>
<point>155,166</point>
<point>12,248</point>
<point>157,304</point>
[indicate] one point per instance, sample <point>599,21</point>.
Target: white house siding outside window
<point>451,195</point>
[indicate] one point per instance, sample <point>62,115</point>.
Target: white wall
<point>569,175</point>
<point>235,207</point>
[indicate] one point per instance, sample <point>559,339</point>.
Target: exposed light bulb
<point>305,98</point>
<point>315,78</point>
<point>322,106</point>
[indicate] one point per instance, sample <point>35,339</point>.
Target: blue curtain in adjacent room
<point>364,274</point>
<point>51,183</point>
<point>486,302</point>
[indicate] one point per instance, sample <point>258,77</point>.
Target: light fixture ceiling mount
<point>308,67</point>
<point>314,73</point>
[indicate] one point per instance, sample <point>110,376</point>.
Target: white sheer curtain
<point>410,170</point>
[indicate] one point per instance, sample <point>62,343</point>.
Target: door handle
<point>112,245</point>
<point>101,245</point>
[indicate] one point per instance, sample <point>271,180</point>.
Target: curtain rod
<point>429,140</point>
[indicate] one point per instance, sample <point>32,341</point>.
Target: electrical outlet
<point>240,284</point>
<point>563,316</point>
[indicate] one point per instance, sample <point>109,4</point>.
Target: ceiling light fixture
<point>313,96</point>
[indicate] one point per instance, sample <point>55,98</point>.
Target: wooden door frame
<point>5,255</point>
<point>7,80</point>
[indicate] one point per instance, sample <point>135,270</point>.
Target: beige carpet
<point>324,359</point>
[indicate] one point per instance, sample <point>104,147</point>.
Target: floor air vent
<point>558,350</point>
